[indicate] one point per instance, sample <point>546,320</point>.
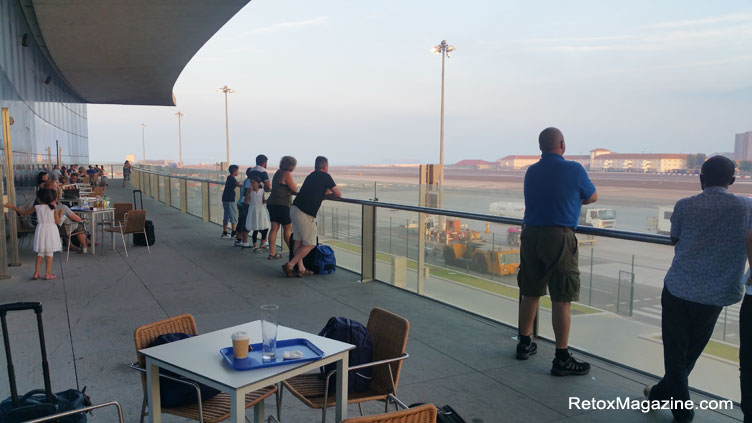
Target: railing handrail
<point>585,230</point>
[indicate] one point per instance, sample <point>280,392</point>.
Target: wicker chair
<point>135,223</point>
<point>212,410</point>
<point>422,414</point>
<point>389,334</point>
<point>121,209</point>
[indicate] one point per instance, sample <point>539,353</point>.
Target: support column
<point>11,188</point>
<point>183,196</point>
<point>205,201</point>
<point>368,246</point>
<point>168,191</point>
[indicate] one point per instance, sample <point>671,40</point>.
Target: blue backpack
<point>345,330</point>
<point>323,261</point>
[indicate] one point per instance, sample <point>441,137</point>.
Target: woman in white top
<point>258,217</point>
<point>47,236</point>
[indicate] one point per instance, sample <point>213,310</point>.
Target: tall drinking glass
<point>269,331</point>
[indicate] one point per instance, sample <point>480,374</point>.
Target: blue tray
<point>254,361</point>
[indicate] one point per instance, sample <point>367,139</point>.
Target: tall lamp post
<point>180,115</point>
<point>143,141</point>
<point>443,49</point>
<point>227,90</point>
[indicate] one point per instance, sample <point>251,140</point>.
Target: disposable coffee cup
<point>240,342</point>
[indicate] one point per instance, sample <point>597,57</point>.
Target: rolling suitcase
<point>39,402</point>
<point>139,239</point>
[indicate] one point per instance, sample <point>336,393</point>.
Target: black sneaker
<point>225,235</point>
<point>525,351</point>
<point>570,367</point>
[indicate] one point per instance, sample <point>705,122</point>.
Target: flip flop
<point>35,277</point>
<point>305,273</point>
<point>287,270</point>
<point>49,277</point>
<point>274,256</point>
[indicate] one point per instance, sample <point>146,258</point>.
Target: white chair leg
<point>147,242</point>
<point>124,246</point>
<point>67,256</point>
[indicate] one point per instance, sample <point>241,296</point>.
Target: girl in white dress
<point>47,236</point>
<point>258,217</point>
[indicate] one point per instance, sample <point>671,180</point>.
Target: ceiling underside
<point>128,52</point>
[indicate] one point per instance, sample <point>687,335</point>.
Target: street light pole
<point>180,114</point>
<point>227,91</point>
<point>143,142</point>
<point>444,49</point>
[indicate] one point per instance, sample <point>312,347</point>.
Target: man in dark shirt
<point>555,190</point>
<point>228,202</point>
<point>317,186</point>
<point>260,172</point>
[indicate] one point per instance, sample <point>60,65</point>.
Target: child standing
<point>46,237</point>
<point>258,217</point>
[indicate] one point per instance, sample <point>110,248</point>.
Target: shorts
<point>243,211</point>
<point>231,213</point>
<point>279,214</point>
<point>549,258</point>
<point>127,176</point>
<point>303,226</point>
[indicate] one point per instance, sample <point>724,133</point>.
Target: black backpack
<point>352,332</point>
<point>172,393</point>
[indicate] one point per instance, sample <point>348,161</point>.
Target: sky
<point>356,81</point>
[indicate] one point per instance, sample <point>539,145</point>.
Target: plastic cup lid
<point>240,336</point>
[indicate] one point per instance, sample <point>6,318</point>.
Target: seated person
<point>81,240</point>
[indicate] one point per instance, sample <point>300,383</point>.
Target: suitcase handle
<point>5,308</point>
<point>37,307</point>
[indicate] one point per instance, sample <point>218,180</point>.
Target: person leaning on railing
<point>317,186</point>
<point>555,190</point>
<point>712,234</point>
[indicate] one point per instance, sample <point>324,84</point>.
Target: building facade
<point>521,162</point>
<point>47,113</point>
<point>743,146</point>
<point>645,163</point>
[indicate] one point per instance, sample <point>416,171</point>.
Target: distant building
<point>639,162</point>
<point>520,162</point>
<point>474,164</point>
<point>130,157</point>
<point>743,146</point>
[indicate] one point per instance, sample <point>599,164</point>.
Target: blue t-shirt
<point>554,191</point>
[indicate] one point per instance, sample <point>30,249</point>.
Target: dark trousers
<point>745,356</point>
<point>687,327</point>
<point>263,233</point>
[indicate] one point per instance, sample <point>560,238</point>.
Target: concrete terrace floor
<point>455,358</point>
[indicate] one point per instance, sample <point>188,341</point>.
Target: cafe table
<point>91,215</point>
<point>198,358</point>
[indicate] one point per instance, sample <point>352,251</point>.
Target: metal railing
<point>364,250</point>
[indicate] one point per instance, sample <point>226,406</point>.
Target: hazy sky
<point>355,81</point>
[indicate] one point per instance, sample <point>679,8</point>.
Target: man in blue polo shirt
<point>555,190</point>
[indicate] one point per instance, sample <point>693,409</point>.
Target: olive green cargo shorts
<point>548,258</point>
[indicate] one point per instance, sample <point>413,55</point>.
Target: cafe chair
<point>389,334</point>
<point>24,228</point>
<point>212,410</point>
<point>425,413</point>
<point>121,209</point>
<point>70,233</point>
<point>97,192</point>
<point>134,223</point>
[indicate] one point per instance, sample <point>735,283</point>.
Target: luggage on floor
<point>445,414</point>
<point>39,402</point>
<point>320,260</point>
<point>140,239</point>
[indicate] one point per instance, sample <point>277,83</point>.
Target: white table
<point>91,216</point>
<point>198,358</point>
